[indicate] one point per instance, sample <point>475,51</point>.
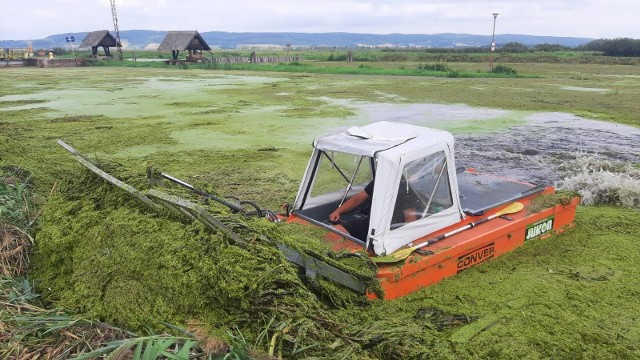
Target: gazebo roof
<point>98,38</point>
<point>183,40</point>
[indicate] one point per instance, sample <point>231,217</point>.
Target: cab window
<point>424,190</point>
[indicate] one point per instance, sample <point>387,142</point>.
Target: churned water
<point>598,159</point>
<point>595,158</point>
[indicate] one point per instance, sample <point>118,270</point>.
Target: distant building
<point>190,41</point>
<point>152,46</point>
<point>260,47</point>
<point>101,38</point>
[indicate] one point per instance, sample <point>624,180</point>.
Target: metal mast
<point>115,26</point>
<point>493,41</point>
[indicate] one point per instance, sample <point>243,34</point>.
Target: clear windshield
<point>336,171</point>
<point>424,189</point>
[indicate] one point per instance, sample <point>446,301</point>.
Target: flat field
<point>249,134</point>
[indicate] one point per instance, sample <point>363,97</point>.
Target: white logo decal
<point>539,228</point>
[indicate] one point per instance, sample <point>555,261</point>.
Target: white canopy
<point>365,140</point>
<point>396,148</point>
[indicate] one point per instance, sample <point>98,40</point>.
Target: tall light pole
<point>493,42</point>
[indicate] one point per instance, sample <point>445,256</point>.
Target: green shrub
<point>340,57</point>
<point>434,67</point>
<point>459,74</point>
<point>503,69</point>
<point>394,57</point>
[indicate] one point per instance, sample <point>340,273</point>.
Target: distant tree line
<point>516,47</point>
<point>436,50</point>
<point>614,47</point>
<point>511,47</point>
<point>624,47</point>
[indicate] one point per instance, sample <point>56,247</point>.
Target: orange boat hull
<point>472,247</point>
<point>468,248</point>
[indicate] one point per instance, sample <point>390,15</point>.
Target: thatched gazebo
<point>190,41</point>
<point>101,38</point>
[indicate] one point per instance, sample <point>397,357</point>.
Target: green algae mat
<point>103,255</point>
<point>571,294</point>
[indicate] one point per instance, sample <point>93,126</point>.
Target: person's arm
<point>410,215</point>
<point>348,205</point>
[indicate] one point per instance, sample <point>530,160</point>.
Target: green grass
<point>360,70</point>
<point>402,55</point>
<point>15,204</point>
<point>312,68</point>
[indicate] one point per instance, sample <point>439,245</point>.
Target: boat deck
<point>481,192</point>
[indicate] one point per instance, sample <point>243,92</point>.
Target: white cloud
<point>32,19</point>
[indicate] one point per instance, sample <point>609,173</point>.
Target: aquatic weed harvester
<point>421,220</point>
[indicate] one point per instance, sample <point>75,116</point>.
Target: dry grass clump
<point>17,217</point>
<point>30,331</point>
<point>211,345</point>
<point>14,248</point>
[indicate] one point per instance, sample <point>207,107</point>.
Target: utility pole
<point>493,42</point>
<point>115,27</point>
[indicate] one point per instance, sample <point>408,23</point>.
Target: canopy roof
<point>98,38</point>
<point>379,136</point>
<point>183,40</point>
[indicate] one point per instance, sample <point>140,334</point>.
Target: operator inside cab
<point>404,214</point>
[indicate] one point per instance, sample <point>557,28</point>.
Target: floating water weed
<point>103,255</point>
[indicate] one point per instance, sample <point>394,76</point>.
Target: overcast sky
<point>36,19</point>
